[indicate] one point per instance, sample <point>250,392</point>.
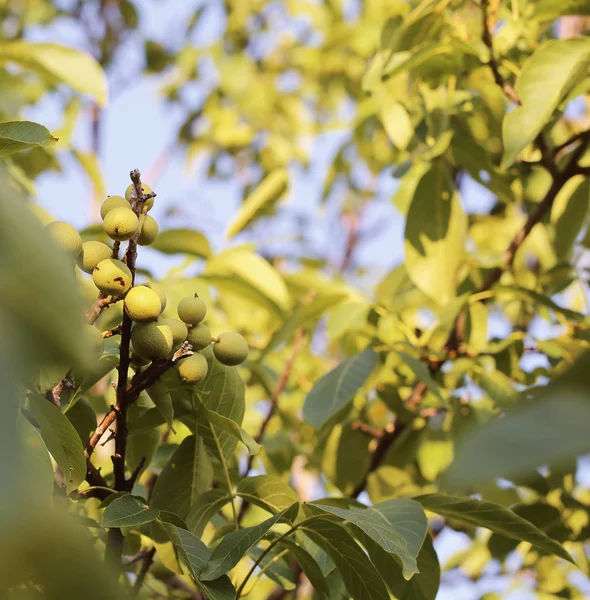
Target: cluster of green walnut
<point>152,336</point>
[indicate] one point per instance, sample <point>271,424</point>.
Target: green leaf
<point>182,241</point>
<point>223,392</point>
<point>568,213</point>
<point>187,475</point>
<point>499,387</point>
<point>494,517</point>
<point>234,545</point>
<point>36,278</point>
<point>195,555</point>
<point>435,453</point>
<point>268,492</point>
<point>309,566</point>
<point>21,135</point>
<point>61,439</point>
<point>141,445</point>
<point>243,272</point>
<point>78,70</point>
<point>390,533</point>
<point>361,578</point>
<point>422,373</point>
<point>35,460</point>
<point>548,431</point>
<point>91,376</point>
<point>545,78</point>
<point>128,511</point>
<point>161,398</point>
<point>335,389</point>
<point>423,586</point>
<point>547,10</point>
<point>217,422</point>
<point>477,327</point>
<point>259,202</point>
<point>436,229</point>
<point>204,508</point>
<point>397,124</point>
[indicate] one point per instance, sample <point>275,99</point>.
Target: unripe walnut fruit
<point>231,349</point>
<point>156,287</point>
<point>113,202</point>
<point>179,330</point>
<point>192,310</point>
<point>151,340</point>
<point>92,253</point>
<point>121,224</point>
<point>112,277</point>
<point>94,341</point>
<point>142,304</point>
<point>193,369</point>
<point>146,189</point>
<point>135,358</point>
<point>199,336</point>
<point>66,236</point>
<point>149,231</point>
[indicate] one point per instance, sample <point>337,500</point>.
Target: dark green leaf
<point>128,511</point>
<point>20,135</point>
<point>234,545</point>
<point>361,578</point>
<point>185,477</point>
<point>182,241</point>
<point>309,566</point>
<point>205,506</point>
<point>337,388</point>
<point>268,492</point>
<point>494,517</point>
<point>61,439</point>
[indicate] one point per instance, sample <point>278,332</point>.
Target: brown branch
<point>101,302</point>
<point>454,341</point>
<point>579,136</point>
<point>146,563</point>
<point>113,331</point>
<point>486,36</point>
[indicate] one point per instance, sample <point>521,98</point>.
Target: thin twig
<point>113,331</point>
<point>146,563</point>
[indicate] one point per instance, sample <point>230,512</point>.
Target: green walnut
<point>135,359</point>
<point>151,340</point>
<point>92,253</point>
<point>199,336</point>
<point>121,224</point>
<point>142,304</point>
<point>94,341</point>
<point>149,231</point>
<point>156,287</point>
<point>66,236</point>
<point>112,277</point>
<point>113,202</point>
<point>193,369</point>
<point>179,330</point>
<point>146,189</point>
<point>231,349</point>
<point>192,310</point>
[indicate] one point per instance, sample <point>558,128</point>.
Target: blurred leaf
<point>494,517</point>
<point>182,241</point>
<point>422,373</point>
<point>361,578</point>
<point>569,212</point>
<point>89,377</point>
<point>83,418</point>
<point>435,454</point>
<point>16,136</point>
<point>546,77</point>
<point>76,69</point>
<point>61,439</point>
<point>547,431</point>
<point>259,202</point>
<point>397,124</point>
<point>435,233</point>
<point>546,10</point>
<point>187,475</point>
<point>268,492</point>
<point>335,389</point>
<point>91,166</point>
<point>234,545</point>
<point>141,446</point>
<point>247,274</point>
<point>128,511</point>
